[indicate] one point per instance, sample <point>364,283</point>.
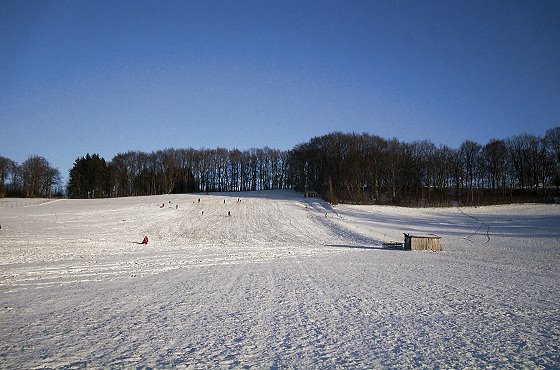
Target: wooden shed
<point>426,242</point>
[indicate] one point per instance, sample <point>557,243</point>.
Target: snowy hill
<point>272,279</point>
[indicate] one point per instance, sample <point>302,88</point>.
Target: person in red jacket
<point>145,240</point>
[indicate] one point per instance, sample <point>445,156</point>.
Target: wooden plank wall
<point>423,244</point>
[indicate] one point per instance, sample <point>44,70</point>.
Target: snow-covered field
<point>282,282</point>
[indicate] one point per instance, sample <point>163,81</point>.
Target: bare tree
<point>7,167</point>
<point>469,154</point>
<point>38,177</point>
<point>552,142</point>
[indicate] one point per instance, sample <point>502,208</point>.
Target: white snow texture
<point>283,282</point>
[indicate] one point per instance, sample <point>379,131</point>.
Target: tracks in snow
<point>77,241</point>
<point>482,230</point>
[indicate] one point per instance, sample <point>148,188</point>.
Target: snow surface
<point>283,282</point>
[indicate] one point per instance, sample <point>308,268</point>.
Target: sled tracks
<point>482,230</point>
<point>345,234</point>
<point>333,223</point>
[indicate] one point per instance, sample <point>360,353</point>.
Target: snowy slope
<point>282,282</point>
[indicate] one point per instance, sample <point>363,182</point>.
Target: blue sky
<point>105,77</point>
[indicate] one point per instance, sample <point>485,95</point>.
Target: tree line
<point>340,167</point>
<point>178,171</point>
<point>363,168</point>
<point>33,178</point>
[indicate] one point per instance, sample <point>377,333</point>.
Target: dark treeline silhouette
<point>363,168</point>
<point>178,171</point>
<point>33,178</point>
<point>341,167</point>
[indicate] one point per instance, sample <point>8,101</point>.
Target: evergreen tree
<point>89,178</point>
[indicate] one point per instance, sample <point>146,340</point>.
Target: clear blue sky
<point>111,76</point>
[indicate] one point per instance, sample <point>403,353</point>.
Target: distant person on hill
<point>145,240</point>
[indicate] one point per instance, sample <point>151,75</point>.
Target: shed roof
<point>430,236</point>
